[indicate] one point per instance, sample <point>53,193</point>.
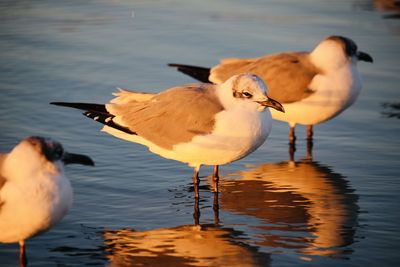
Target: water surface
<point>137,209</point>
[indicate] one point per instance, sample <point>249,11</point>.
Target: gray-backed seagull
<point>198,124</point>
<point>313,86</point>
<point>34,192</point>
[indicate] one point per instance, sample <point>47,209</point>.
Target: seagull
<point>313,86</point>
<point>197,124</point>
<point>34,192</point>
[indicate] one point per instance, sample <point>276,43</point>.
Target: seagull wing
<point>287,75</point>
<point>99,113</point>
<point>170,117</point>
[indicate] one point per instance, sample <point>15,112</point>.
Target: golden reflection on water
<point>302,205</point>
<point>188,245</point>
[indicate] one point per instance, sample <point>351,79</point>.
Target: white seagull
<point>198,124</point>
<point>34,192</point>
<point>313,86</point>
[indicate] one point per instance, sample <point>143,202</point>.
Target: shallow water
<point>135,208</point>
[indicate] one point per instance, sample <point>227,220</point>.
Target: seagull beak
<point>364,57</point>
<point>269,102</point>
<point>70,158</point>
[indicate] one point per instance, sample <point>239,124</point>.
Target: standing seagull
<point>313,86</point>
<point>34,192</point>
<point>198,124</point>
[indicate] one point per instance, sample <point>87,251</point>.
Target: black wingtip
<point>96,112</point>
<point>107,119</point>
<point>82,106</point>
<point>199,73</point>
<point>173,65</point>
<point>58,103</point>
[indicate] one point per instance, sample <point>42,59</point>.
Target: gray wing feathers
<point>287,75</point>
<point>171,117</point>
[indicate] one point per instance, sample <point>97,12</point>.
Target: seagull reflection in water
<point>186,245</point>
<point>208,244</point>
<point>301,205</point>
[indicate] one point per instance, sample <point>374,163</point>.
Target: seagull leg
<point>215,172</point>
<point>215,178</point>
<point>309,149</point>
<point>196,181</point>
<point>292,136</point>
<point>216,208</point>
<point>292,149</point>
<point>196,212</point>
<point>310,132</point>
<point>22,254</point>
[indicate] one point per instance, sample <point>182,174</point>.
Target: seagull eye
<point>58,152</point>
<point>246,94</point>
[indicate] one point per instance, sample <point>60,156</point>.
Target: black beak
<point>364,57</point>
<point>272,104</point>
<point>70,158</point>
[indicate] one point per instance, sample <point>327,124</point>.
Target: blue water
<point>135,208</point>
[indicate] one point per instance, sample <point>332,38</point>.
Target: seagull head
<point>350,49</point>
<point>53,151</point>
<point>249,90</point>
<point>336,51</point>
<point>35,154</point>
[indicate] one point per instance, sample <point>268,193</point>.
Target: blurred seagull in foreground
<point>34,192</point>
<point>313,86</point>
<point>198,124</point>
